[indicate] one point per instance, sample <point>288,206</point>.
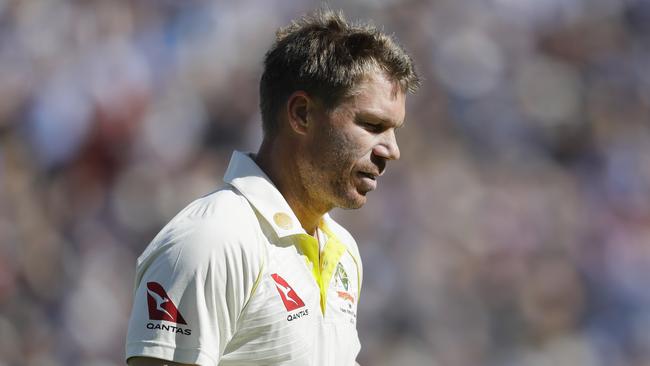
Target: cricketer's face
<point>352,142</point>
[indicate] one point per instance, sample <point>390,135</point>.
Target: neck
<point>278,160</point>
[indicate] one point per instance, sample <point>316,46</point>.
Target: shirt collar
<point>245,175</point>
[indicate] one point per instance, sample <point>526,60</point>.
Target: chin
<point>353,201</point>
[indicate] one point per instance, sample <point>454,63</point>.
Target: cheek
<point>337,150</point>
<point>349,147</point>
<point>343,154</point>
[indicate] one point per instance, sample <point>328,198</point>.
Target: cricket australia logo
<point>341,277</point>
<point>342,284</point>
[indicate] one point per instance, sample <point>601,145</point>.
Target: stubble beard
<point>328,181</point>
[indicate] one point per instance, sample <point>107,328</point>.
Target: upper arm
<point>207,274</point>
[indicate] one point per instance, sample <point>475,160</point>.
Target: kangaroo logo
<point>161,306</point>
<point>289,297</point>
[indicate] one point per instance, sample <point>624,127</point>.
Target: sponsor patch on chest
<point>292,302</point>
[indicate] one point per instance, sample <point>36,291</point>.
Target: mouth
<point>367,181</point>
<point>369,175</point>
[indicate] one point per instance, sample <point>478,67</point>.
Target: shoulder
<point>224,214</point>
<point>218,207</point>
<point>217,227</point>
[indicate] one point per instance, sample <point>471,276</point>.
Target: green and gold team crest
<point>342,285</point>
<point>341,278</point>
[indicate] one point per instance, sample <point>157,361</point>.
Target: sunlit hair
<point>325,56</point>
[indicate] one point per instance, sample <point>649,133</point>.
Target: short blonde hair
<point>325,56</point>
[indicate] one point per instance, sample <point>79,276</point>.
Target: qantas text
<point>169,328</point>
<point>297,314</point>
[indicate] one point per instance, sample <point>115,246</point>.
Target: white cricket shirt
<point>234,279</point>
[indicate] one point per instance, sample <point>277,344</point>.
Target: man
<point>257,273</point>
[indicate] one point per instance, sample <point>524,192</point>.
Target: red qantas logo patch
<point>289,297</point>
<point>161,306</point>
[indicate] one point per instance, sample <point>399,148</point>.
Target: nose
<point>387,148</point>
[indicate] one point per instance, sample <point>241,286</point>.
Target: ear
<point>298,106</point>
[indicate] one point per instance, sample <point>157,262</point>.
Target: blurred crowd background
<point>514,231</point>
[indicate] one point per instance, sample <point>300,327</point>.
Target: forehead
<point>376,96</point>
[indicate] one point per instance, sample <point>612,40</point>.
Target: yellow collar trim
<point>322,266</point>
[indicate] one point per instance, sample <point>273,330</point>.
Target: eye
<point>372,127</point>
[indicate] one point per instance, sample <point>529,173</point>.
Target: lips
<point>367,181</point>
<point>369,175</point>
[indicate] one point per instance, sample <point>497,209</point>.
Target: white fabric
<point>215,260</point>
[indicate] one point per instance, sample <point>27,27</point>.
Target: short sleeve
<point>191,286</point>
